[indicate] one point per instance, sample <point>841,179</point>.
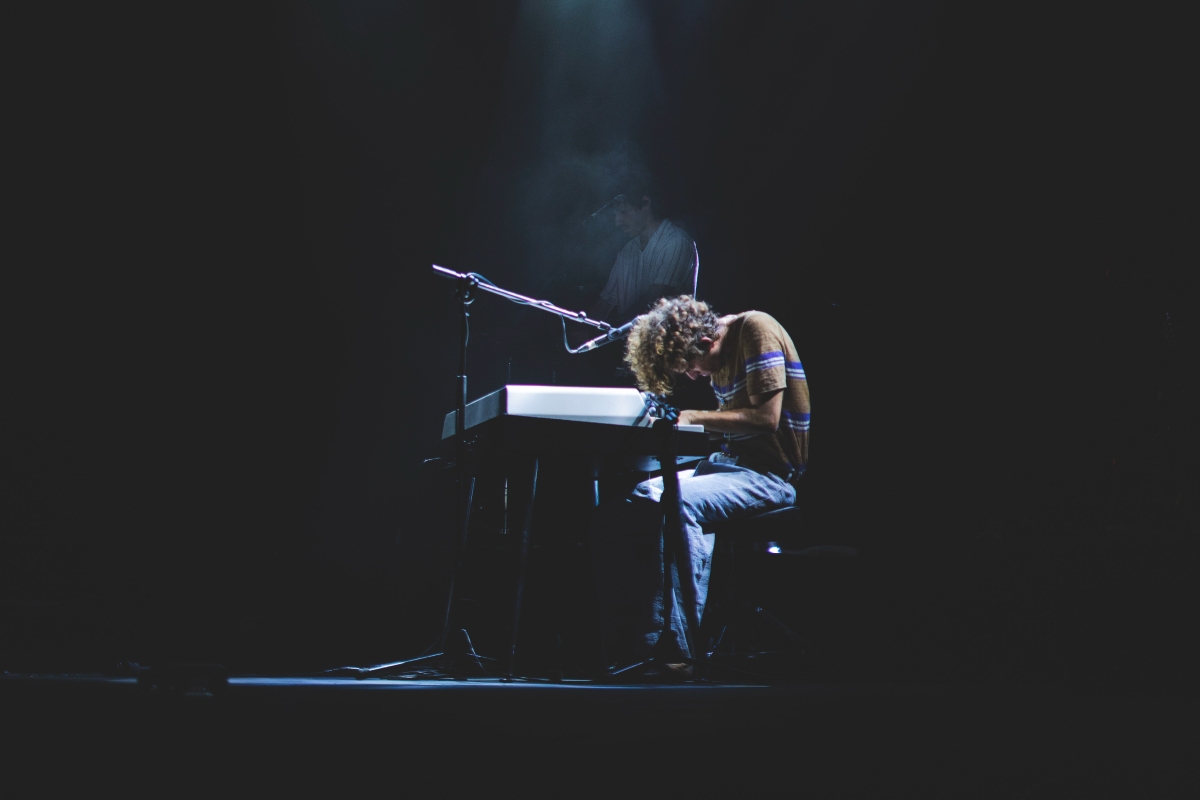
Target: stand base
<point>458,661</point>
<point>672,667</point>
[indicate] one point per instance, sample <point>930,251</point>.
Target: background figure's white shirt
<point>668,260</point>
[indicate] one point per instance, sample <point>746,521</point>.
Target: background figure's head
<point>666,339</point>
<point>640,198</point>
<point>634,215</point>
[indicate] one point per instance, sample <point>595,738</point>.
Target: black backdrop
<point>228,355</point>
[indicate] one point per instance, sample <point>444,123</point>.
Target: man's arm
<point>762,416</point>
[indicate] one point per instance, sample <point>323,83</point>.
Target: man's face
<point>703,366</point>
<point>632,217</point>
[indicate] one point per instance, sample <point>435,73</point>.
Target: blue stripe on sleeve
<point>797,421</point>
<point>765,361</point>
<point>739,380</point>
<point>726,393</point>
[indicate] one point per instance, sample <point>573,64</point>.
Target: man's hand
<point>762,417</point>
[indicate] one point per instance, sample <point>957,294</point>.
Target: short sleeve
<point>763,355</point>
<point>674,267</point>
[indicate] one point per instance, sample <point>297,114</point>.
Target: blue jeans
<point>626,546</point>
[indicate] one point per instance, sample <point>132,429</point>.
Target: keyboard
<point>571,419</point>
<point>603,406</point>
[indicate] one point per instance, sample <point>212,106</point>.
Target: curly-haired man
<point>763,419</point>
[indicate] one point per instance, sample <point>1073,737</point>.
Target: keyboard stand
<point>522,566</point>
<point>676,550</point>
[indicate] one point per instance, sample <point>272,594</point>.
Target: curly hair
<point>665,339</point>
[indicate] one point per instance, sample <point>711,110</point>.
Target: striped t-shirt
<point>759,357</point>
<point>668,260</point>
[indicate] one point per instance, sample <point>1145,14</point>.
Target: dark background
<point>228,356</point>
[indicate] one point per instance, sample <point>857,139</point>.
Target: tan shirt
<point>760,357</point>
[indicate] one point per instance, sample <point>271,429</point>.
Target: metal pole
<point>675,538</point>
<point>464,494</point>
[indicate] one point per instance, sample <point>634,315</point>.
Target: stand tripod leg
<point>458,545</point>
<point>458,651</point>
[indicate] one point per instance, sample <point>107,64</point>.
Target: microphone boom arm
<point>473,280</point>
<point>479,282</point>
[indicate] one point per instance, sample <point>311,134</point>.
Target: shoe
<point>680,671</point>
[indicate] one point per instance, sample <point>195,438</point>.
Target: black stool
<point>781,533</point>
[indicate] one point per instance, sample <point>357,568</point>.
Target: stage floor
<point>576,735</point>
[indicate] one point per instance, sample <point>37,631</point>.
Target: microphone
<point>611,336</point>
<point>618,199</point>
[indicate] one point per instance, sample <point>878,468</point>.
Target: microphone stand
<point>464,292</point>
<point>458,645</point>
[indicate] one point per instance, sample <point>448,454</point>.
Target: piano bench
<point>780,532</point>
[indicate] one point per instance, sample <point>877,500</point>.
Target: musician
<point>762,419</point>
<point>659,260</point>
